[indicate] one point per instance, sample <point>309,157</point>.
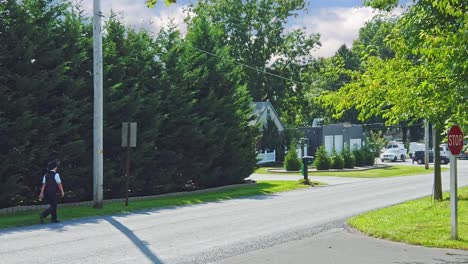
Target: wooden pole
<point>98,152</point>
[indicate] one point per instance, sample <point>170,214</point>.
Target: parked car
<point>393,154</point>
<point>463,155</point>
<point>419,157</point>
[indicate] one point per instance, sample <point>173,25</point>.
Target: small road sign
<point>455,140</point>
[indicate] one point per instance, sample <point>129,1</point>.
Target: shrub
<point>348,157</point>
<point>375,142</point>
<point>337,161</point>
<point>359,157</point>
<point>369,156</point>
<point>291,161</point>
<point>322,161</point>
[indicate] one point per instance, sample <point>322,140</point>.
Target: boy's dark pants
<point>52,210</point>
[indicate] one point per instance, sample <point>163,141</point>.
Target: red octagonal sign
<point>455,140</point>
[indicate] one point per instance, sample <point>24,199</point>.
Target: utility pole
<point>426,143</point>
<point>98,149</point>
<point>436,153</point>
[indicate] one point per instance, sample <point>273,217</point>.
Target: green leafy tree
<point>427,77</point>
<point>256,33</point>
<point>375,142</point>
<point>371,41</point>
<point>152,3</point>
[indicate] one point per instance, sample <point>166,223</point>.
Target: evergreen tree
<point>44,106</point>
<point>223,143</point>
<point>291,161</point>
<point>322,160</point>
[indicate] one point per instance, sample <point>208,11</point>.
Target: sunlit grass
<point>418,222</point>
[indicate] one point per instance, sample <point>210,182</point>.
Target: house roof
<point>259,108</point>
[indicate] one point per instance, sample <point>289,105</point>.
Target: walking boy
<point>50,183</point>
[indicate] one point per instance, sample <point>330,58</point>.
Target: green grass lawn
<point>391,171</point>
<point>68,213</point>
<point>418,222</point>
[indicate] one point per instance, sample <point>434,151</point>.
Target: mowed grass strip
<point>68,213</point>
<point>418,222</point>
<point>391,171</point>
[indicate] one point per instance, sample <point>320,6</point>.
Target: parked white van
<point>444,150</point>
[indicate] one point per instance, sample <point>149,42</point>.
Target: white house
<point>264,111</point>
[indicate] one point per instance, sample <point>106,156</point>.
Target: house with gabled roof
<point>264,115</point>
<point>264,111</point>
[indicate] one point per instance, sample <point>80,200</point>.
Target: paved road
<point>241,229</point>
<point>343,246</point>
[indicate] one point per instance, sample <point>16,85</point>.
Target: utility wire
<point>244,65</point>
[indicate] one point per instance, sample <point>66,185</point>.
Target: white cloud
<point>336,26</point>
<point>138,15</point>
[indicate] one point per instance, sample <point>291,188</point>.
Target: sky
<point>337,21</point>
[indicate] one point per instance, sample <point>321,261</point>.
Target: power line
<point>244,65</point>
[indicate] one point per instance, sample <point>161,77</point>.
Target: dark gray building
<point>333,136</point>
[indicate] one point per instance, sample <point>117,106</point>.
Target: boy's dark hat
<point>52,165</point>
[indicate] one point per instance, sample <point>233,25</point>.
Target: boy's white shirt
<point>57,178</point>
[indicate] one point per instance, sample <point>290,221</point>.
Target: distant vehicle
<point>393,154</point>
<point>444,150</point>
<point>419,157</point>
<point>463,153</point>
<point>415,146</point>
<point>394,151</point>
<point>395,145</point>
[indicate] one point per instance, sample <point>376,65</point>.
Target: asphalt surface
<point>340,245</point>
<point>263,229</point>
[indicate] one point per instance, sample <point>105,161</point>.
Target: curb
<point>377,166</point>
<point>16,209</point>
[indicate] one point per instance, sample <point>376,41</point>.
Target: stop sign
<point>455,140</point>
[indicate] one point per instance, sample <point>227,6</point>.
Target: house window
<point>268,114</point>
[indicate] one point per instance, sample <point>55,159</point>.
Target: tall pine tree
<point>223,149</point>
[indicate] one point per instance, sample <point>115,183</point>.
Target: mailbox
<point>307,160</point>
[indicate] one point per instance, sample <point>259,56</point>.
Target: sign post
<point>129,131</point>
<point>455,145</point>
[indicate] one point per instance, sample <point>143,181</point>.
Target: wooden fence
<point>266,157</point>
